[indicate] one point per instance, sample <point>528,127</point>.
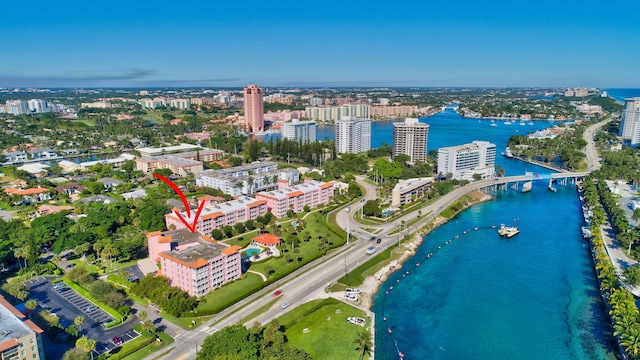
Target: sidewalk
<point>617,255</point>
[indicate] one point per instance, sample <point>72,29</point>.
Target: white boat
<point>526,187</point>
<point>507,152</point>
<point>493,123</point>
<point>586,232</point>
<point>357,321</point>
<point>507,122</point>
<point>508,231</point>
<point>522,122</point>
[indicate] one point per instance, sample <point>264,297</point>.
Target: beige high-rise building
<point>254,108</point>
<point>410,138</point>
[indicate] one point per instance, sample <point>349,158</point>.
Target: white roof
<point>34,168</point>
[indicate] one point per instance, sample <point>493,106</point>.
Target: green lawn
<point>279,267</point>
<point>330,336</point>
<point>230,293</point>
<point>153,347</point>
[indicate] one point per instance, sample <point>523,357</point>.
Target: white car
<point>284,305</point>
<point>351,297</point>
<point>352,291</point>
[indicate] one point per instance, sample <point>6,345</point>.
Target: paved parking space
<point>68,304</point>
<point>87,308</point>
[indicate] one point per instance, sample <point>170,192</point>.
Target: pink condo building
<point>254,108</point>
<point>219,215</point>
<point>194,262</point>
<point>311,193</point>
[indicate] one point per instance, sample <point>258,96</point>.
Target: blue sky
<point>330,43</point>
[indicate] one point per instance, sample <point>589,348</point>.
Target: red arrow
<point>175,187</point>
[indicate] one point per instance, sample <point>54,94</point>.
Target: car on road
<point>371,250</point>
<point>277,292</point>
<point>372,238</point>
<point>378,241</point>
<point>117,340</point>
<point>284,305</point>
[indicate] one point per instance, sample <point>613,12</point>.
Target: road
<point>309,282</point>
<point>593,160</point>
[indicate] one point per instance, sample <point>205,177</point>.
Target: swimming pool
<point>252,251</point>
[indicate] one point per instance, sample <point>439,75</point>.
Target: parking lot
<point>87,308</point>
<point>67,304</point>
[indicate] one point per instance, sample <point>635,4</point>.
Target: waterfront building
<point>284,115</point>
<point>151,151</point>
<point>194,262</point>
<point>247,179</point>
<point>410,138</point>
<point>353,135</point>
<point>409,190</point>
<point>463,161</point>
<point>19,336</point>
<point>630,117</point>
<point>254,108</point>
<point>302,131</point>
<point>332,114</point>
<point>177,165</point>
<point>215,216</point>
<point>311,193</point>
<point>30,195</point>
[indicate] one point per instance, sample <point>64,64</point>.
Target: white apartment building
<point>410,138</point>
<point>247,179</point>
<point>180,103</point>
<point>353,135</point>
<point>335,113</point>
<point>630,117</point>
<point>463,161</point>
<point>303,131</point>
<point>17,107</point>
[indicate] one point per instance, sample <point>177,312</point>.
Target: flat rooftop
<point>167,149</point>
<point>11,326</point>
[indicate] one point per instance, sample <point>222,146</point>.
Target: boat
<point>493,123</point>
<point>586,232</point>
<point>507,152</point>
<point>507,122</point>
<point>522,122</point>
<point>526,187</point>
<point>508,231</point>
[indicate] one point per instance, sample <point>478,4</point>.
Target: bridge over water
<point>514,181</point>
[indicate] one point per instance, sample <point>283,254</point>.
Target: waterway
<point>533,296</point>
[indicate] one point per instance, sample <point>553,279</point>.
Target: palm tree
<point>78,321</point>
<point>86,344</point>
<point>631,340</point>
<point>142,315</point>
<point>632,275</point>
<point>250,182</point>
<point>364,342</point>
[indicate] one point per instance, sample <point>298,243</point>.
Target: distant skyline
<point>414,44</point>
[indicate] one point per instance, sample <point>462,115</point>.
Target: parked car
<point>352,290</point>
<point>117,340</point>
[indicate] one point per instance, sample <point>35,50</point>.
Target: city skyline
<point>502,44</point>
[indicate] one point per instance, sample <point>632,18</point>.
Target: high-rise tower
<point>254,108</point>
<point>410,138</point>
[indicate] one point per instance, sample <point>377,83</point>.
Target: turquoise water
<point>533,296</point>
<point>253,251</point>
